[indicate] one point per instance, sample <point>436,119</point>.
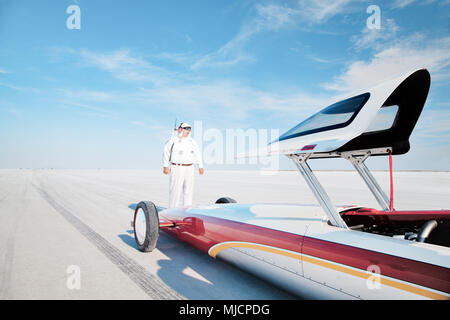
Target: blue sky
<point>106,95</point>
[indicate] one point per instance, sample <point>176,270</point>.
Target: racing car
<point>325,251</point>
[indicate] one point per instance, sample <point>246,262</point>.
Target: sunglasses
<point>187,128</point>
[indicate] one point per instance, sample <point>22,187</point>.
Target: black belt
<point>181,164</point>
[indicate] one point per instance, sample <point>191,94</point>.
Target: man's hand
<point>166,170</point>
<point>200,170</point>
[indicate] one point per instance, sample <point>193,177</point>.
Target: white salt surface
<point>51,220</point>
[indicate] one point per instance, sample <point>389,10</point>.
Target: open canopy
<point>381,118</point>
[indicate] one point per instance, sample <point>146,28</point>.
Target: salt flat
<point>52,220</point>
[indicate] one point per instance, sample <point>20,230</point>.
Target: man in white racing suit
<point>180,155</point>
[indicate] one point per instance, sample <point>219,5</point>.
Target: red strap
<point>391,205</point>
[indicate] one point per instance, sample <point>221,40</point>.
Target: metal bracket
<point>357,159</point>
<point>369,179</point>
<point>300,161</point>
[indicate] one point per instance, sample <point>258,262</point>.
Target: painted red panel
<point>373,216</point>
<point>209,231</point>
<point>424,274</point>
<point>203,232</point>
<point>308,147</point>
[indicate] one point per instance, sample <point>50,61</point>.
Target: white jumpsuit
<point>178,151</point>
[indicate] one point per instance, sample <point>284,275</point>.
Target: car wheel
<point>225,200</point>
<point>146,226</point>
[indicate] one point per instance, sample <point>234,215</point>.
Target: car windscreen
<point>337,115</point>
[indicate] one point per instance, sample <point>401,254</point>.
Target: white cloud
<point>229,100</point>
<point>165,90</point>
<point>318,11</point>
<point>269,17</point>
<point>399,57</point>
<point>307,14</point>
<point>138,123</point>
<point>434,126</point>
<point>89,109</point>
<point>86,95</point>
<point>123,65</point>
<point>226,56</point>
<point>376,38</point>
<point>402,3</point>
<point>11,86</point>
<point>273,17</point>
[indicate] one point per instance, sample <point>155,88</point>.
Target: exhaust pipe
<point>426,230</point>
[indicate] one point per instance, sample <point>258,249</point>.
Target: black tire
<point>148,242</point>
<point>225,200</point>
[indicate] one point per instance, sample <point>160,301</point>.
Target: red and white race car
<point>324,251</point>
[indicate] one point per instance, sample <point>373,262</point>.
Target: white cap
<point>185,125</point>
